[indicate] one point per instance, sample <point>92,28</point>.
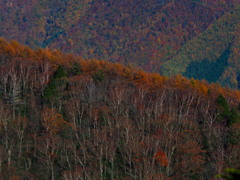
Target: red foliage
<point>161,158</point>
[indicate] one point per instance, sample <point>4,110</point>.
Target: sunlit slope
<point>213,46</point>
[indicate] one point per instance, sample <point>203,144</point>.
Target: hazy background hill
<point>171,36</point>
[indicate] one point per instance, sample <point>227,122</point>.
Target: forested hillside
<point>63,117</point>
<point>213,55</point>
<point>167,36</point>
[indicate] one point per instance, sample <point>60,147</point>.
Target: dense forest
<point>65,117</point>
<point>166,36</point>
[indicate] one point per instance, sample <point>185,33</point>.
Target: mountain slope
<point>209,46</point>
<point>144,33</point>
<point>114,30</point>
<point>62,117</point>
<point>138,32</point>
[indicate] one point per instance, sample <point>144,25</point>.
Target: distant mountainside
<point>213,55</point>
<point>157,35</point>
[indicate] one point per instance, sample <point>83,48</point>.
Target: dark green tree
<point>54,91</point>
<point>222,102</point>
<point>227,114</point>
<point>76,69</point>
<point>59,73</point>
<point>99,75</point>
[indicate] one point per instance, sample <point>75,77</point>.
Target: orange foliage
<point>112,70</point>
<point>156,80</point>
<point>202,89</point>
<point>141,77</point>
<point>53,121</point>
